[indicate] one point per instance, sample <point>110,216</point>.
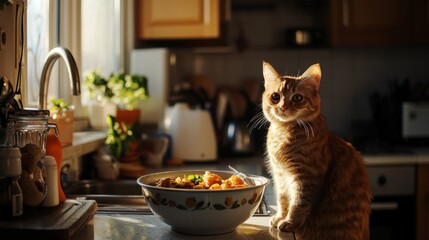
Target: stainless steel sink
<point>110,187</point>
<point>111,196</point>
<point>121,196</point>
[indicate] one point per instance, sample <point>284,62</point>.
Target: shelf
<point>84,143</point>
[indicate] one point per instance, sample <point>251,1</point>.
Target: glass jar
<point>27,129</point>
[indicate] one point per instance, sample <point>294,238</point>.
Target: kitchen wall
<point>349,75</point>
<point>9,57</point>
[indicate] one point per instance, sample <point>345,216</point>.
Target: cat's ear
<point>269,73</point>
<point>313,73</point>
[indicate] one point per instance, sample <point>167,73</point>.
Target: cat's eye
<point>275,97</point>
<point>297,98</point>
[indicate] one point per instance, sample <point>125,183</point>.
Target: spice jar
<point>27,129</point>
<point>10,191</point>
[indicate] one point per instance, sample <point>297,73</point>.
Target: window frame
<point>65,31</point>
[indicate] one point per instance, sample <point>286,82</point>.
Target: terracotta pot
<point>65,123</point>
<point>128,117</point>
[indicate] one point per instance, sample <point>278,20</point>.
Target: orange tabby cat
<point>320,180</point>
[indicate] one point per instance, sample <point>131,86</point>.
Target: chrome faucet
<point>53,55</point>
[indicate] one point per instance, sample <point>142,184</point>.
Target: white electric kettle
<point>192,132</point>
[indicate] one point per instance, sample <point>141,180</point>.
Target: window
<point>38,44</point>
<point>90,28</point>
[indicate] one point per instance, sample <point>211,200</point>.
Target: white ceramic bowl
<point>202,212</point>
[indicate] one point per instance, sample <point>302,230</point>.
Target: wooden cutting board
<point>64,221</point>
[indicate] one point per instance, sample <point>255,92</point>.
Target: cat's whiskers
<point>307,125</point>
<point>306,128</point>
<point>257,122</point>
<point>312,124</point>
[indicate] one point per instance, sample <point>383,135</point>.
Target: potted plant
<point>62,115</point>
<point>101,95</point>
<point>122,141</point>
<point>128,90</point>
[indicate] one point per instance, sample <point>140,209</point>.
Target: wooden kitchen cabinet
<point>422,203</point>
<point>381,22</point>
<point>420,16</point>
<point>177,19</point>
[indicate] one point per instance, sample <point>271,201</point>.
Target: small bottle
<point>51,199</point>
<point>15,197</point>
<point>11,201</point>
<point>54,149</point>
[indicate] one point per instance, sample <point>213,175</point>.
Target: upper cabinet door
<point>369,22</point>
<point>177,19</point>
<point>421,21</point>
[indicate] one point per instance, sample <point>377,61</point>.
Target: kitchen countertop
<point>147,226</point>
<point>411,156</point>
<point>122,226</point>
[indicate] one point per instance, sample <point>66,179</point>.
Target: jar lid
<point>10,162</point>
<point>29,112</point>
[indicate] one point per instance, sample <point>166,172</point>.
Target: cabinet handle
<point>384,206</point>
<point>346,17</point>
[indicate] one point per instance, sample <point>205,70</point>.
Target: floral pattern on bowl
<point>200,211</point>
<point>191,203</point>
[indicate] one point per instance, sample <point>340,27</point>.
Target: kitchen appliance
<point>157,64</point>
<point>415,119</point>
<point>393,209</point>
<point>192,132</point>
<point>237,139</point>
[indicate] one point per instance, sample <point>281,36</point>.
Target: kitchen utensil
<point>65,221</point>
<point>221,107</point>
<point>238,103</point>
<point>6,92</point>
<point>6,96</point>
<point>248,180</point>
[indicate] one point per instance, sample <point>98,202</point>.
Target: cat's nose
<point>282,107</point>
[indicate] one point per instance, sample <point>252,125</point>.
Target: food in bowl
<point>209,180</point>
<point>202,211</point>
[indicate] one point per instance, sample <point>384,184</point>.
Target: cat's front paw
<point>275,220</point>
<point>281,223</point>
<point>285,226</point>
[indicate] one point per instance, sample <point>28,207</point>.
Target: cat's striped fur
<point>320,180</point>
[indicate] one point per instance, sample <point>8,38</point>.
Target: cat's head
<point>288,99</point>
